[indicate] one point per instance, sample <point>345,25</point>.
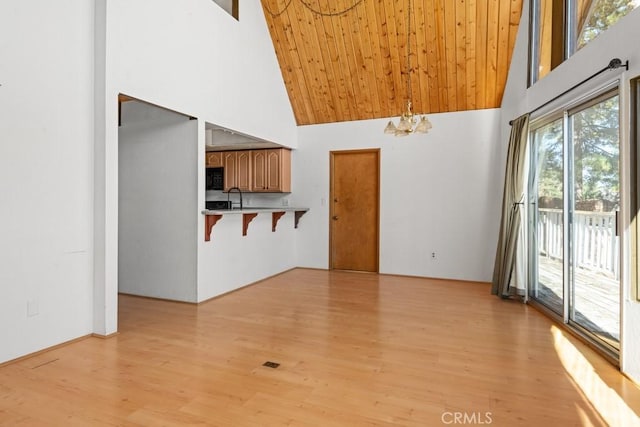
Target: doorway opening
<point>157,198</point>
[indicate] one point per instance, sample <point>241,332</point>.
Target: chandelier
<point>408,121</point>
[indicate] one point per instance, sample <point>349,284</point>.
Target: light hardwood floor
<point>355,350</point>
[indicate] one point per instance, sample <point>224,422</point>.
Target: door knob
<point>335,217</point>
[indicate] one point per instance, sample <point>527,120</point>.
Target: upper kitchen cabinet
<point>214,159</point>
<point>271,170</point>
<point>237,170</point>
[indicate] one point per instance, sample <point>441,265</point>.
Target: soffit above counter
<point>222,139</point>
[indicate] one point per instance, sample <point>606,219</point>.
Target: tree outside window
<point>600,15</point>
<point>554,34</point>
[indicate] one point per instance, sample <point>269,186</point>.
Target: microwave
<point>215,179</point>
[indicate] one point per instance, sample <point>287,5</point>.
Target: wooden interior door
<point>354,210</point>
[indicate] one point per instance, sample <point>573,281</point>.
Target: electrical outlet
<point>285,202</point>
<point>433,255</point>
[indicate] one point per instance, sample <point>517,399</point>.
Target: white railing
<point>596,246</point>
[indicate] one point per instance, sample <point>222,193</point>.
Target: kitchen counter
<point>252,209</point>
<point>212,216</point>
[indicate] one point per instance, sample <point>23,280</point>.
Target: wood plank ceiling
<point>352,65</point>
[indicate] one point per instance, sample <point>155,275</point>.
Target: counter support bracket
<point>298,214</point>
<point>209,222</point>
<point>213,216</point>
<point>246,219</point>
<point>275,217</point>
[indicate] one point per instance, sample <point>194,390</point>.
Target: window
<point>230,6</point>
<point>634,184</point>
<point>595,16</point>
<point>547,37</point>
<point>561,27</point>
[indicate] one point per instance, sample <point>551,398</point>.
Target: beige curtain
<point>512,198</point>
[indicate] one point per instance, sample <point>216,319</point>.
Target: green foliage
<point>549,142</point>
<point>596,155</point>
<point>603,14</point>
<point>596,152</point>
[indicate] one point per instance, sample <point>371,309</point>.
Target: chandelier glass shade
<point>408,123</point>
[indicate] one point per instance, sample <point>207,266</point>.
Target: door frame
<point>332,155</point>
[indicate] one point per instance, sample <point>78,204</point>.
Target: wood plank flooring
<point>354,350</point>
<point>597,298</point>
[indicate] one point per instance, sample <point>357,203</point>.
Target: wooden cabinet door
<point>230,169</point>
<point>214,159</point>
<point>278,173</point>
<point>272,170</point>
<point>259,170</point>
<point>243,172</point>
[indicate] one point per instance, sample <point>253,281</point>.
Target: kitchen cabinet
<point>237,169</point>
<point>271,171</point>
<point>214,159</point>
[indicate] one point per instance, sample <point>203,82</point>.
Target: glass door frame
<point>532,211</point>
<point>569,257</point>
<point>570,312</point>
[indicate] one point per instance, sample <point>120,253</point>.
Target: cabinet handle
<point>335,217</point>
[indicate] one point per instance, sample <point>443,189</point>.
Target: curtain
<point>512,198</point>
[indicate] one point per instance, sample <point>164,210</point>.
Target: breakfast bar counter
<point>212,216</point>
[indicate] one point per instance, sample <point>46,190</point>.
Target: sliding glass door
<point>595,179</point>
<point>574,200</point>
<point>546,221</point>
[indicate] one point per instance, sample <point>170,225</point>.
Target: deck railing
<point>596,245</point>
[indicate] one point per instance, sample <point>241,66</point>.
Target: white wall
<point>439,193</point>
<point>230,260</point>
<point>619,41</point>
<point>46,132</point>
<point>192,57</point>
<point>59,138</point>
<point>158,182</point>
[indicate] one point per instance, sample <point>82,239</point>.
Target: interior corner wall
<point>46,174</point>
<point>439,192</point>
<point>194,58</point>
<point>158,184</point>
<point>620,41</point>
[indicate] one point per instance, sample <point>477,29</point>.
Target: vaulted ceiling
<point>352,66</point>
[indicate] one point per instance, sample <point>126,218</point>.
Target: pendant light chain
<point>275,14</point>
<point>408,121</point>
<point>409,53</point>
<point>314,11</point>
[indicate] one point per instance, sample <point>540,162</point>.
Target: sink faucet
<point>229,194</point>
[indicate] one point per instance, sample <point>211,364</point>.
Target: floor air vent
<point>271,364</point>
